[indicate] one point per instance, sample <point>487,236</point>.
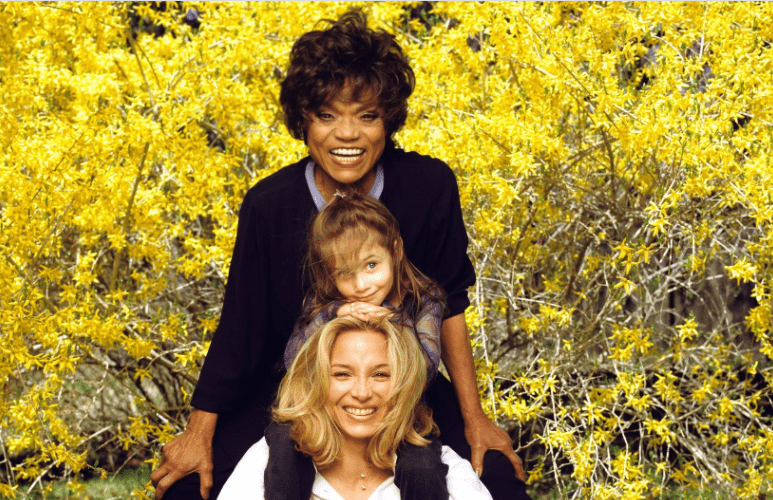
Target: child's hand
<point>363,311</point>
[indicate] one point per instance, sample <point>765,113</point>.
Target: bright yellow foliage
<point>614,168</point>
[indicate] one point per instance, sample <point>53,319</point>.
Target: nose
<point>361,389</point>
<point>360,283</point>
<point>347,130</point>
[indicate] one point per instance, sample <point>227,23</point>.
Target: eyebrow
<point>350,267</point>
<point>372,105</point>
<point>342,365</point>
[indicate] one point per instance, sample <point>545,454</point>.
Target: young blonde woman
<point>351,398</point>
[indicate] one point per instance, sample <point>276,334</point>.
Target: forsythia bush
<point>614,167</point>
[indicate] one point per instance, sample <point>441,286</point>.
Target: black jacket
<point>265,289</point>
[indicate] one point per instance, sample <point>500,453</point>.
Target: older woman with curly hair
<point>345,96</point>
<point>350,399</point>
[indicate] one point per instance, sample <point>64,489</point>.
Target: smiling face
<point>346,138</point>
<point>360,381</point>
<point>364,273</point>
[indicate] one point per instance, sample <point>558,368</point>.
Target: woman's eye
<point>369,117</point>
<point>341,374</point>
<point>371,265</point>
<point>382,375</point>
<point>323,115</point>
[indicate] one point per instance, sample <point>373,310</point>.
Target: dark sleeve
<point>239,340</point>
<point>302,333</point>
<point>421,192</point>
<point>447,261</point>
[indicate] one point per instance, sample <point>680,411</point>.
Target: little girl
<point>357,266</point>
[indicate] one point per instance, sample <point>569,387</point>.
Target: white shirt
<point>246,481</point>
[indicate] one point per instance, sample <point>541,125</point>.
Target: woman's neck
<point>328,186</point>
<point>352,475</point>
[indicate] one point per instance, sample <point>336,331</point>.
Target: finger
<point>165,483</point>
<point>517,464</point>
<point>350,312</point>
<point>160,489</point>
<point>377,313</point>
<point>477,461</point>
<point>157,475</point>
<point>205,480</point>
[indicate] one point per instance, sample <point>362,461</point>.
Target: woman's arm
<point>480,432</point>
<point>221,381</point>
<point>241,335</point>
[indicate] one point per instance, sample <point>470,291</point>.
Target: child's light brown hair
<point>359,219</point>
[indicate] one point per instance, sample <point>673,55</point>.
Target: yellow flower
<point>742,270</point>
<point>625,284</point>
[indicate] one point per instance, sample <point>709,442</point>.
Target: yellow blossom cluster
<point>614,162</point>
<point>614,168</point>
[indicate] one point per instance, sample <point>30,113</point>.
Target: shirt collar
<point>319,201</point>
<point>323,490</point>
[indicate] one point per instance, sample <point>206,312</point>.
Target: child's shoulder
<point>430,300</point>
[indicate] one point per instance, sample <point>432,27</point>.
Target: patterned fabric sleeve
<point>302,333</point>
<point>429,321</point>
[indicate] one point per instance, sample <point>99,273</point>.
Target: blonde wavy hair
<point>303,392</point>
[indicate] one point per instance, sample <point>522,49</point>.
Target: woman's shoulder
<point>288,179</point>
<point>418,178</point>
<point>450,457</point>
<point>417,163</point>
<point>462,481</point>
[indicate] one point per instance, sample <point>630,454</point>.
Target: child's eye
<point>382,375</point>
<point>340,374</point>
<point>371,265</point>
<point>342,274</point>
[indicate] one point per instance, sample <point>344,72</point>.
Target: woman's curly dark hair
<point>322,62</point>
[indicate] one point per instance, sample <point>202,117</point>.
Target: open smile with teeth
<point>347,154</point>
<point>360,412</point>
